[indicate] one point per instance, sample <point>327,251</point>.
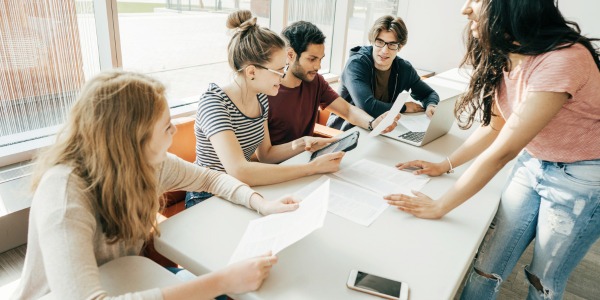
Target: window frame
<point>110,57</point>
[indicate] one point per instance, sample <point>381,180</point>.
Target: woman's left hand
<point>312,144</point>
<point>420,205</point>
<point>285,204</point>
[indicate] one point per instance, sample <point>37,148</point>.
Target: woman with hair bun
<point>97,196</point>
<point>231,121</point>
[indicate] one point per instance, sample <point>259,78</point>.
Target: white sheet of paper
<point>349,201</point>
<point>415,122</point>
<point>382,179</point>
<point>278,231</point>
<point>392,113</point>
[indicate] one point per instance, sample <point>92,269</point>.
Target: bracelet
<point>451,167</point>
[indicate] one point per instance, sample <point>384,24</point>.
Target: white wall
<point>435,29</point>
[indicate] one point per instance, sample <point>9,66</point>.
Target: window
<point>319,12</point>
<point>363,15</point>
<point>181,43</point>
<point>48,50</point>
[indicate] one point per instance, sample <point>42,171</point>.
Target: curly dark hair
<point>301,34</point>
<point>529,27</point>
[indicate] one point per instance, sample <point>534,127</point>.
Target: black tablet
<point>347,143</point>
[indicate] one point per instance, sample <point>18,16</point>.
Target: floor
<point>583,283</point>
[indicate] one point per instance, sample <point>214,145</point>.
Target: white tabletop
<point>134,273</point>
<point>431,256</point>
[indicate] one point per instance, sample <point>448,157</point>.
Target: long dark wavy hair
<point>529,27</point>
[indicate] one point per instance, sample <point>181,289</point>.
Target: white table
<point>431,256</point>
<point>134,273</point>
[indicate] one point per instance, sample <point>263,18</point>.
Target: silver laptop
<point>440,123</point>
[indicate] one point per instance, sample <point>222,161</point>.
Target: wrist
<point>218,280</point>
<point>450,166</point>
<point>441,208</point>
<point>370,124</point>
<point>256,203</point>
<point>298,143</point>
<point>309,169</point>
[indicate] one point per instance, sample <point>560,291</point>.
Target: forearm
<point>478,142</point>
<point>256,173</point>
<point>206,286</point>
<point>358,117</point>
<point>279,153</point>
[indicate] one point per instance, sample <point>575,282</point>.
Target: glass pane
<point>47,51</point>
<point>363,15</point>
<point>319,12</point>
<point>183,43</point>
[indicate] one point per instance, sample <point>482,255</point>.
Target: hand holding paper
<point>391,115</point>
<point>276,232</point>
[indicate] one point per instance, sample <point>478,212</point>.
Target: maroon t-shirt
<point>293,112</point>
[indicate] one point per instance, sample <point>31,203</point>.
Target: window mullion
<point>107,29</point>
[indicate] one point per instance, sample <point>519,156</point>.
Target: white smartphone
<point>378,286</point>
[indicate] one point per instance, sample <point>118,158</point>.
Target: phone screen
<point>378,284</point>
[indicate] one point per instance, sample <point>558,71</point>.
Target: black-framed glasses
<point>392,46</point>
<point>281,74</point>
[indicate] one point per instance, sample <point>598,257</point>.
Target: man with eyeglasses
<point>374,75</point>
<point>294,110</point>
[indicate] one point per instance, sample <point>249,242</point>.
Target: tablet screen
<point>345,144</point>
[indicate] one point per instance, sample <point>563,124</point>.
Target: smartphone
<point>378,286</point>
<point>346,143</point>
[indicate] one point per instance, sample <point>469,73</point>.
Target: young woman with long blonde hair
<point>98,189</point>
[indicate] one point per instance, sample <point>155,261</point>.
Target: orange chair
<point>321,129</point>
<point>184,146</point>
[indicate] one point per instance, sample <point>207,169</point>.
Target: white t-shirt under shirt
<point>65,243</point>
<point>217,113</point>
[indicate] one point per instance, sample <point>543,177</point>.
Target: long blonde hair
<point>103,141</point>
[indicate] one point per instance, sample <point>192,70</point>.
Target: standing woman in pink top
<point>536,88</point>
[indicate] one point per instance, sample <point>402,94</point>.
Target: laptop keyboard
<point>416,137</point>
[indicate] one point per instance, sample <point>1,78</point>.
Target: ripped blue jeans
<point>555,203</point>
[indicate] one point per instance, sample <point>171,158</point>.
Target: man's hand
<point>413,107</point>
<point>430,110</point>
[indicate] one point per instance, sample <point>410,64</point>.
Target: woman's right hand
<point>327,163</point>
<point>425,167</point>
<point>247,275</point>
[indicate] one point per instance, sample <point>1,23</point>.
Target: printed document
<point>392,113</point>
<point>415,122</point>
<point>278,231</point>
<point>381,179</point>
<point>349,201</point>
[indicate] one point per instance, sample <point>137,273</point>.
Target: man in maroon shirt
<point>293,112</point>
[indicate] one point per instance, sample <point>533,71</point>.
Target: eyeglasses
<point>392,46</point>
<point>281,74</point>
